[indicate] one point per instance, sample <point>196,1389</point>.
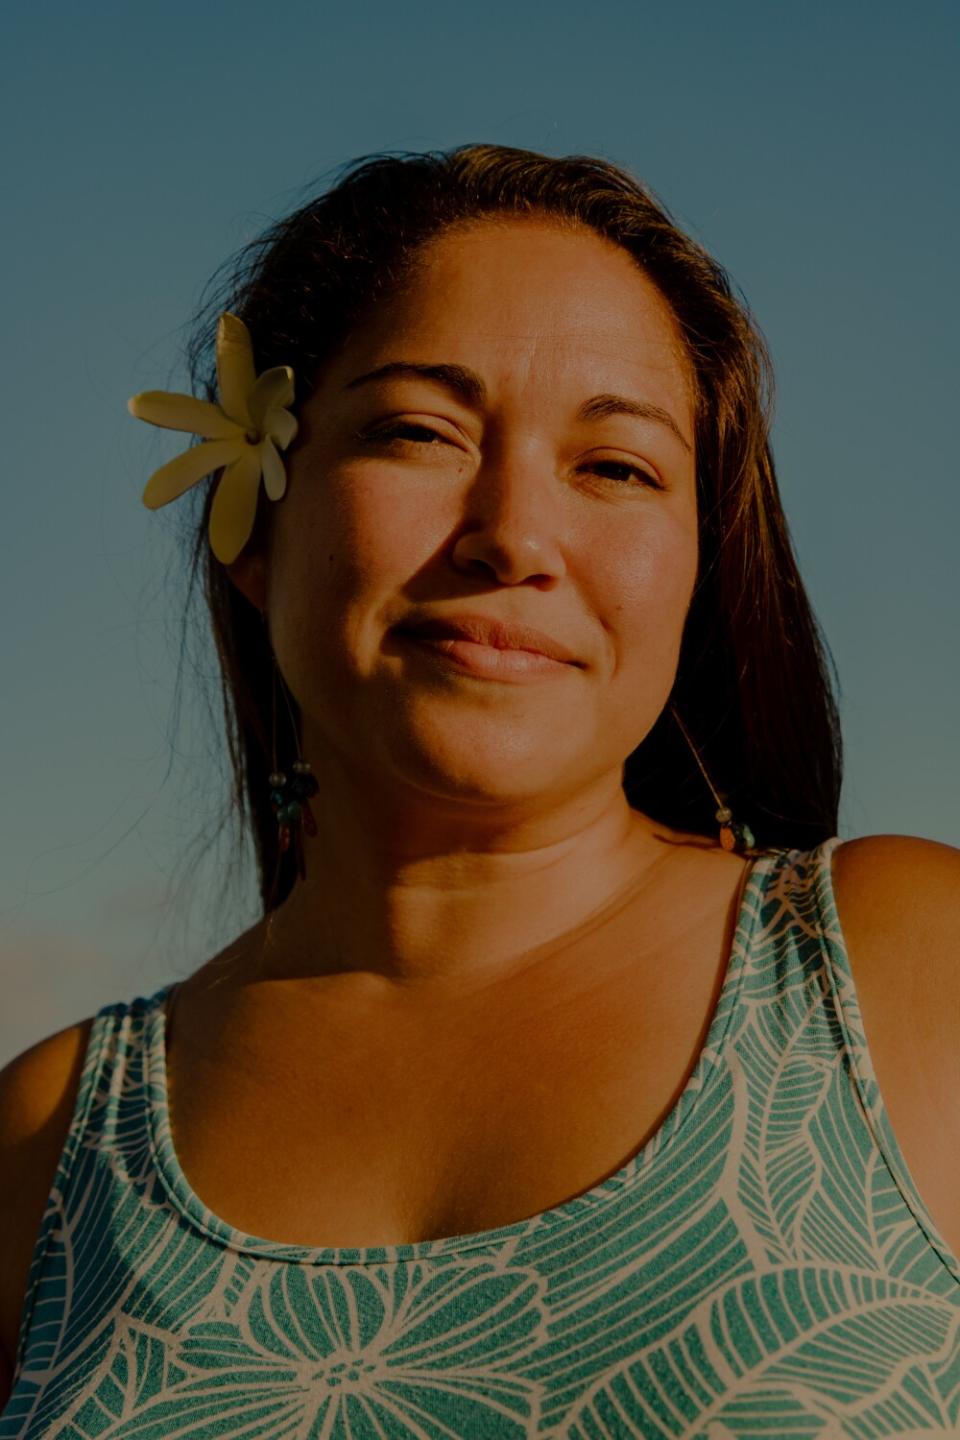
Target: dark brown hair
<point>752,684</point>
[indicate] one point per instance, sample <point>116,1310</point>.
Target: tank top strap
<point>800,978</point>
<point>109,1104</point>
<point>779,929</point>
<point>839,985</point>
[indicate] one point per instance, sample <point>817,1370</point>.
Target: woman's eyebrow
<point>469,387</point>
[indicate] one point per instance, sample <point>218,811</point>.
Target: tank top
<point>763,1266</point>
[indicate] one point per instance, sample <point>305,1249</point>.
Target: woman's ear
<point>249,574</point>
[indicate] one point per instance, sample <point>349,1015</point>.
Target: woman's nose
<point>513,517</point>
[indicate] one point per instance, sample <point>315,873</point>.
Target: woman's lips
<point>486,660</point>
<point>489,630</point>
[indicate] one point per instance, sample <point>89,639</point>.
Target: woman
<point>539,1100</point>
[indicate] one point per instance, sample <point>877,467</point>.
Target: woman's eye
<point>643,476</point>
<point>399,428</point>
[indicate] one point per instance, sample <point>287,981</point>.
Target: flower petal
<point>281,426</point>
<point>273,387</point>
<point>274,475</point>
<point>172,479</point>
<point>183,412</point>
<point>234,508</point>
<point>235,372</point>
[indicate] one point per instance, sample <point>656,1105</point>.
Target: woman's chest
<point>356,1129</point>
<point>376,1150</point>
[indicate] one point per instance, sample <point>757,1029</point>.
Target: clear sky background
<point>812,148</point>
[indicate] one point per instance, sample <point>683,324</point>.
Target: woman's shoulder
<point>25,1080</point>
<point>899,892</point>
<point>898,903</point>
<point>38,1092</point>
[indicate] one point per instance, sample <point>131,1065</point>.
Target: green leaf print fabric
<point>763,1267</point>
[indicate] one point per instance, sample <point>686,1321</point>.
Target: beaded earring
<point>290,797</point>
<point>734,834</point>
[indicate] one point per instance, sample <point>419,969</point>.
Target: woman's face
<point>516,494</point>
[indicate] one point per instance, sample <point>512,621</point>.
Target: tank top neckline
<point>189,1205</point>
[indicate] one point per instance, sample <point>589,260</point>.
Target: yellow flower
<point>241,433</point>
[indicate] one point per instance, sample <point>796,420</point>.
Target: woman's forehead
<point>531,305</point>
<point>542,278</point>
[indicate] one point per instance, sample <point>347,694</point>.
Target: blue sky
<point>811,148</point>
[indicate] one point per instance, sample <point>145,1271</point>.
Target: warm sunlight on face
<point>543,475</point>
